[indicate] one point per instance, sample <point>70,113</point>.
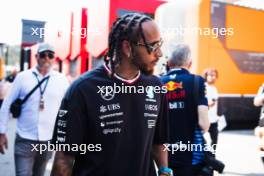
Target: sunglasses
<point>152,47</point>
<point>50,55</point>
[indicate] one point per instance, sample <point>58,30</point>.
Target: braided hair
<point>127,27</point>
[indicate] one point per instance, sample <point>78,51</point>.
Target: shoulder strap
<point>35,88</point>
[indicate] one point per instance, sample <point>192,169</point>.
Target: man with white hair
<point>38,113</point>
<point>188,113</point>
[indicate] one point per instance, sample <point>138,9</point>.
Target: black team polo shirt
<point>120,128</point>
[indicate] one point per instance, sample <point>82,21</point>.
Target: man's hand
<point>3,143</point>
<point>259,100</point>
<point>211,103</point>
<point>160,155</point>
<point>62,165</point>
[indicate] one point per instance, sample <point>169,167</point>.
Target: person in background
<point>36,121</point>
<point>259,130</point>
<point>5,85</point>
<point>210,76</point>
<point>3,91</point>
<point>188,113</point>
<point>10,78</point>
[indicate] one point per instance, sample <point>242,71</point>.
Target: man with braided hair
<point>123,133</point>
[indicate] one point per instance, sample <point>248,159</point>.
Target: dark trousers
<point>187,170</point>
<point>213,131</point>
<point>28,162</point>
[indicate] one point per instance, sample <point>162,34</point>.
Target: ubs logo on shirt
<point>103,109</point>
<point>111,107</point>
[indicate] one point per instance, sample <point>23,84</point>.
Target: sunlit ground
<point>237,149</point>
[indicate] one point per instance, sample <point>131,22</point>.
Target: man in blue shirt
<point>187,114</point>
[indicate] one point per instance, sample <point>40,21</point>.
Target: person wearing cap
<point>36,121</point>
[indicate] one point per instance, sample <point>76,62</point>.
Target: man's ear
<point>190,64</point>
<point>37,56</point>
<point>169,63</point>
<point>126,48</point>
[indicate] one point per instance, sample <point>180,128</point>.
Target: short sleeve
<point>162,125</point>
<point>215,93</point>
<point>211,92</point>
<point>70,121</point>
<point>261,90</point>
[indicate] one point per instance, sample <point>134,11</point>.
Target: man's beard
<point>44,67</point>
<point>138,62</point>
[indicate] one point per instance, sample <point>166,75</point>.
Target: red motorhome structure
<point>76,52</point>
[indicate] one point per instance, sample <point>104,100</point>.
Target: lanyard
<point>45,86</point>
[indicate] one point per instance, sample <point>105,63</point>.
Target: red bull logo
<point>171,85</point>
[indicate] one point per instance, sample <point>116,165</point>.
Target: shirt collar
<point>34,69</point>
<point>178,71</point>
<point>129,81</point>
